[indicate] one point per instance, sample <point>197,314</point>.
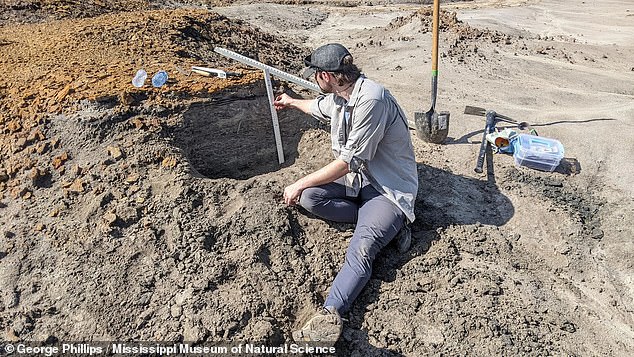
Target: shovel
<point>431,126</point>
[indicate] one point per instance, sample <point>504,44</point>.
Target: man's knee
<point>360,255</point>
<point>311,198</point>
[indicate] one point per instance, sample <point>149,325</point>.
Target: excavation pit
<point>233,137</point>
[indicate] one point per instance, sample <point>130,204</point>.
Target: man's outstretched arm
<point>285,101</point>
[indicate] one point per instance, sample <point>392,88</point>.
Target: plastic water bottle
<point>139,79</point>
<point>159,79</point>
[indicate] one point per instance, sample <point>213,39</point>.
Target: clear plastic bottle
<point>159,79</point>
<point>139,79</point>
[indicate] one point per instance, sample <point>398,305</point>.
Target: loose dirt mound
<point>471,46</point>
<point>100,57</point>
<point>25,11</point>
<point>94,187</point>
<point>55,166</point>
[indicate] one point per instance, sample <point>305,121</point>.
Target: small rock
<point>20,143</point>
<point>42,147</point>
<point>20,192</point>
<point>110,218</point>
<point>64,92</point>
<point>55,212</point>
<point>176,311</point>
<point>38,176</point>
<point>565,250</point>
<point>13,126</point>
<point>11,335</point>
<point>77,170</point>
<point>36,135</point>
<point>128,214</point>
<point>518,265</point>
<point>39,227</point>
<point>569,327</point>
<point>58,161</point>
<point>117,194</point>
<point>194,334</point>
<point>134,177</point>
<point>169,162</point>
<point>138,123</point>
<point>597,233</point>
<point>35,173</point>
<point>492,290</point>
<point>126,98</point>
<point>77,186</point>
<point>115,152</point>
<point>12,300</point>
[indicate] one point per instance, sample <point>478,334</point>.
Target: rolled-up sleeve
<point>368,128</point>
<point>321,108</point>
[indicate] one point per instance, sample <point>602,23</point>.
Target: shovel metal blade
<point>431,126</point>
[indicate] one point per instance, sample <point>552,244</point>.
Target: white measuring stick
<point>276,124</point>
<point>268,71</point>
<point>274,71</point>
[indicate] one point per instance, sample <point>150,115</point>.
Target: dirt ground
<point>155,214</point>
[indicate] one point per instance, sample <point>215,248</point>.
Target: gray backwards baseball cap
<point>327,58</point>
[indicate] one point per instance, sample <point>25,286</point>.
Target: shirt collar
<point>355,92</point>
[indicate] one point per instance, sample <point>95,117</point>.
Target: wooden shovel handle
<point>434,38</point>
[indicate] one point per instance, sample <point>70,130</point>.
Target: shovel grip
<point>488,128</point>
<point>481,155</point>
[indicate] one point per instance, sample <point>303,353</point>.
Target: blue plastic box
<point>537,152</point>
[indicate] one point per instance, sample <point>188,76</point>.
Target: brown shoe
<point>325,328</point>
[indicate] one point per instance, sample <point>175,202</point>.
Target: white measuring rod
<point>272,70</point>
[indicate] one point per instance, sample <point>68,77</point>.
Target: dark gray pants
<point>377,219</point>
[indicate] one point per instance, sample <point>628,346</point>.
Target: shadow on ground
<point>444,199</point>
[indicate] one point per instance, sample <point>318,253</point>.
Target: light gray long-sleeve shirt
<point>371,134</point>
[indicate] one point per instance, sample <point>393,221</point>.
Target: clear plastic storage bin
<point>537,152</point>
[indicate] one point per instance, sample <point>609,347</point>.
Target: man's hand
<point>283,101</point>
<point>329,173</point>
<point>292,193</point>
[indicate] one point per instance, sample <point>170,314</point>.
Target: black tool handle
<point>488,128</point>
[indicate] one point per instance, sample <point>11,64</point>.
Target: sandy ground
<point>156,226</point>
